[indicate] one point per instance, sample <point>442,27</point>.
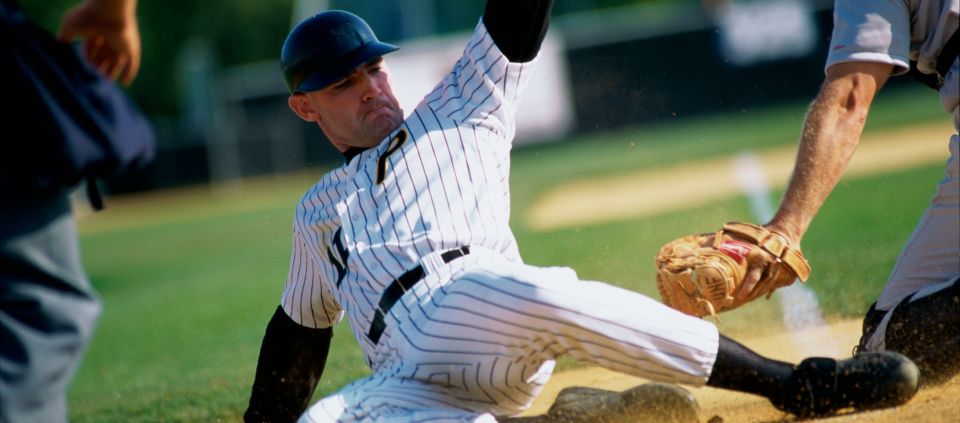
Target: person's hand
<point>761,263</point>
<point>754,272</point>
<point>110,35</point>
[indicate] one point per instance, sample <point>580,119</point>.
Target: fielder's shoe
<point>650,402</point>
<point>821,386</point>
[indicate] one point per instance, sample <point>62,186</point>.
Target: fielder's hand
<point>715,272</point>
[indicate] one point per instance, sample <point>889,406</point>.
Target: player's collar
<point>352,152</point>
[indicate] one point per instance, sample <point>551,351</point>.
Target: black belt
<point>400,285</point>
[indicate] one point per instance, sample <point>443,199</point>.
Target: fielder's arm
<point>831,133</point>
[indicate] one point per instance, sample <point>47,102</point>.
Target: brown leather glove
<point>701,274</point>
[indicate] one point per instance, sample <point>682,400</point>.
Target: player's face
<point>356,111</point>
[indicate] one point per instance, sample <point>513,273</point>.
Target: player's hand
<point>710,273</point>
<point>754,273</point>
<point>110,35</point>
<point>759,264</point>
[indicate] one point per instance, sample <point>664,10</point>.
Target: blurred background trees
<point>244,31</point>
<point>239,31</point>
<point>210,81</point>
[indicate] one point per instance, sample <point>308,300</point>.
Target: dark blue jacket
<point>60,120</point>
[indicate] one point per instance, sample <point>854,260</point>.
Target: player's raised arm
<point>518,26</point>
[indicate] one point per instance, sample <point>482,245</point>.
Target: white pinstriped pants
<point>477,338</point>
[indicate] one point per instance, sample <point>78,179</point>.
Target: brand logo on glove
<point>736,250</point>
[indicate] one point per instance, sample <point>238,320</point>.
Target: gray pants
<point>932,254</point>
<point>48,309</point>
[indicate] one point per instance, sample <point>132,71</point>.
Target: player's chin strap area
<point>403,284</point>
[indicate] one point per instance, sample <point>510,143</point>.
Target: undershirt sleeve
<point>518,26</point>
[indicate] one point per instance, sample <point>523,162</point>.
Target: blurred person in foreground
<point>62,121</point>
<point>918,311</point>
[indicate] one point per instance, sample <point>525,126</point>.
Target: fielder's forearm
<point>830,135</point>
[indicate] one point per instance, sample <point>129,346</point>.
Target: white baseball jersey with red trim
<point>477,332</point>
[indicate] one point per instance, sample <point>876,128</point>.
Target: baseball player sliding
<point>410,240</point>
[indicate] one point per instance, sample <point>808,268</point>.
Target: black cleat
<point>822,386</point>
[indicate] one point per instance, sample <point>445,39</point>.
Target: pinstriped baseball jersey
<point>438,182</point>
<point>476,334</point>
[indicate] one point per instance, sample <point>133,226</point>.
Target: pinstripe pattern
<point>445,187</point>
<point>477,336</point>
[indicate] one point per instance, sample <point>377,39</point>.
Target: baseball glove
<point>701,274</point>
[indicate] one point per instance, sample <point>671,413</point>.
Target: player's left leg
<point>932,253</point>
<point>486,333</point>
<point>490,335</point>
<point>918,312</point>
<point>925,326</point>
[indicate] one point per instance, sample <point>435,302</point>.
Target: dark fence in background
<point>675,70</point>
<point>684,74</point>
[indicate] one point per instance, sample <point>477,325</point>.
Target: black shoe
<point>821,386</point>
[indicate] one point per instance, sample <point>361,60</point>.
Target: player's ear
<point>301,105</point>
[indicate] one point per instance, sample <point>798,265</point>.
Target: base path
<point>664,189</point>
<point>937,404</point>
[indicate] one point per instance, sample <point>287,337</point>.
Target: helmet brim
<point>341,67</point>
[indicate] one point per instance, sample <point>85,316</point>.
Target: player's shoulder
<point>321,194</point>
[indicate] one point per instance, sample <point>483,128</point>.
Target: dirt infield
<point>679,187</point>
<point>937,404</point>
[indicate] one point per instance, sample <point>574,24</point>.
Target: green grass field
<point>190,277</point>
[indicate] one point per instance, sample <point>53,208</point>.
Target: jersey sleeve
<point>871,31</point>
<point>484,87</point>
<point>307,297</point>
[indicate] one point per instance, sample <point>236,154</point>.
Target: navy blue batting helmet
<point>326,47</point>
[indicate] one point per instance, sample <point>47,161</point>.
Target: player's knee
<point>924,326</point>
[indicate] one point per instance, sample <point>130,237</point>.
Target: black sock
<point>740,369</point>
